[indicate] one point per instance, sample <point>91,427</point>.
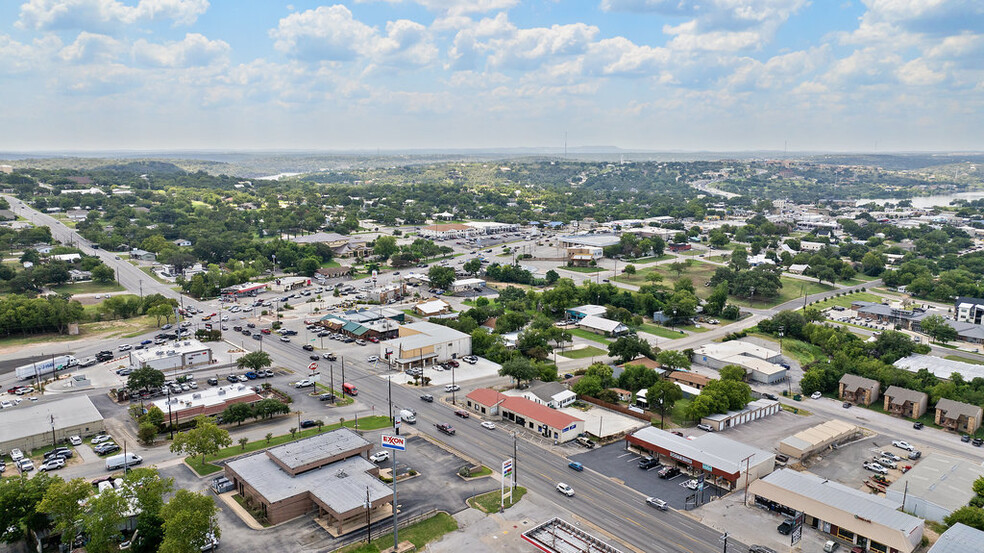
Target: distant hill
<point>143,167</point>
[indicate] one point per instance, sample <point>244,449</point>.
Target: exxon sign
<point>395,442</point>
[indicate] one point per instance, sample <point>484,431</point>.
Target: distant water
<point>940,200</point>
<point>278,176</point>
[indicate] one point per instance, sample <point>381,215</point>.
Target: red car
<point>266,331</point>
<point>452,363</point>
<point>462,413</point>
<point>374,340</point>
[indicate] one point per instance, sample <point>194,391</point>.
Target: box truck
<point>116,462</point>
<point>46,367</point>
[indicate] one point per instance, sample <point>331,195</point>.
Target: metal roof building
<point>959,538</point>
<point>31,426</point>
<point>941,368</point>
<point>850,514</point>
<point>936,487</point>
<point>813,439</point>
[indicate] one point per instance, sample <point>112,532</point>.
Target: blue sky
<point>639,74</point>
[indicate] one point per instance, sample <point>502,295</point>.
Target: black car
<point>668,472</point>
<point>62,452</point>
<point>308,423</point>
<point>257,336</point>
<point>428,398</point>
<point>648,463</point>
<point>104,356</point>
<point>251,325</point>
<point>773,397</point>
<point>786,527</point>
<point>213,381</point>
<point>918,425</point>
<point>245,332</point>
<point>977,442</point>
<point>238,328</point>
<point>307,347</point>
<point>314,357</point>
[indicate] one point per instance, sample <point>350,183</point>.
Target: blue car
<point>145,342</point>
<point>576,466</point>
<point>251,375</point>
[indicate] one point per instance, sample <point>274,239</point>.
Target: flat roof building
<point>328,473</point>
<point>855,516</point>
<point>760,362</point>
<point>578,313</point>
<point>936,486</point>
<point>813,439</point>
<point>30,426</point>
<point>721,459</point>
<point>755,410</point>
<point>205,401</point>
<point>595,240</point>
<point>958,538</point>
<point>172,356</point>
<point>424,344</point>
<point>603,326</point>
<point>543,420</point>
<point>940,367</point>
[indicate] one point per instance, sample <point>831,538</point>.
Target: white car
<point>101,438</point>
<point>903,445</point>
<point>224,318</point>
<point>75,440</point>
<point>692,484</point>
<point>5,404</point>
<point>306,383</point>
<point>52,464</point>
<point>379,456</point>
<point>126,347</point>
<point>16,455</point>
<point>816,395</point>
<point>25,465</point>
<point>372,358</point>
<point>452,388</point>
<point>565,489</point>
<point>875,467</point>
<point>488,424</point>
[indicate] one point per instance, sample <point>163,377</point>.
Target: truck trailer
<point>46,367</point>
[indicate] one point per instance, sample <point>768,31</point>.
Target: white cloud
<point>620,56</point>
<point>193,51</point>
<point>91,48</point>
<point>528,48</point>
<point>458,7</point>
<point>105,15</point>
<point>919,73</point>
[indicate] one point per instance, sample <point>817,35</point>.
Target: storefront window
<point>875,546</point>
<point>846,534</point>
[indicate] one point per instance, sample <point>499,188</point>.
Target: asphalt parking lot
<point>766,433</point>
<point>615,461</point>
<point>844,464</point>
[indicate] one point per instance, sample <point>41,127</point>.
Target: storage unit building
<point>35,425</point>
<point>755,410</point>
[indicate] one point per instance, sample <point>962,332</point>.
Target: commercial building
<point>287,284</point>
<point>958,538</point>
<point>969,310</point>
<point>465,284</point>
<point>328,473</point>
<point>247,289</point>
<point>722,461</point>
<point>940,367</point>
<point>816,438</point>
<point>172,356</point>
<point>578,313</point>
<point>387,292</point>
<point>858,389</point>
<point>602,326</point>
<point>755,410</point>
<point>583,256</point>
<point>547,422</point>
<point>958,417</point>
<point>589,240</point>
<point>760,363</point>
<point>205,401</point>
<point>446,231</point>
<point>30,426</point>
<point>490,227</point>
<point>936,486</point>
<point>431,308</point>
<point>905,403</point>
<point>424,344</point>
<point>552,394</point>
<point>380,329</point>
<point>858,517</point>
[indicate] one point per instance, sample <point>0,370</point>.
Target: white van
<point>116,462</point>
<point>408,416</point>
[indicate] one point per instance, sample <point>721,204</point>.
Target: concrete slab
<point>603,423</point>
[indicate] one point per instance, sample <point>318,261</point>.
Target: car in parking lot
<point>101,438</point>
<point>965,438</point>
<point>886,462</point>
<point>903,445</point>
<point>565,489</point>
<point>648,463</point>
<point>379,456</point>
<point>915,454</point>
<point>657,503</point>
<point>54,463</point>
<point>106,448</point>
<point>890,455</point>
<point>75,440</point>
<point>326,397</point>
<point>705,427</point>
<point>786,527</point>
<point>305,383</point>
<point>668,472</point>
<point>692,484</point>
<point>25,465</point>
<point>213,381</point>
<point>62,452</point>
<point>875,467</point>
<point>372,359</point>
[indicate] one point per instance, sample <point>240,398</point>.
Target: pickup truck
<point>445,428</point>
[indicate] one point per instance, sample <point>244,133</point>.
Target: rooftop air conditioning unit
<point>222,392</point>
<point>196,396</point>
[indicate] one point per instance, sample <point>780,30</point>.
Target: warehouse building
<point>816,438</point>
<point>958,538</point>
<point>328,474</point>
<point>206,401</point>
<point>940,367</point>
<point>172,356</point>
<point>723,461</point>
<point>760,363</point>
<point>936,487</point>
<point>852,515</point>
<point>31,426</point>
<point>425,344</point>
<point>755,410</point>
<point>602,326</point>
<point>547,422</point>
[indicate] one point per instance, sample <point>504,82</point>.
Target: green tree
<point>103,274</point>
<point>473,266</point>
<point>552,276</point>
<point>679,267</point>
<point>254,361</point>
<point>627,348</point>
<point>267,408</point>
<point>189,520</point>
<point>104,513</point>
<point>872,264</point>
<point>145,378</point>
<point>20,497</point>
<point>630,269</point>
<point>739,259</point>
<point>147,433</point>
<point>732,372</point>
<point>206,438</point>
<point>308,266</point>
<point>154,416</point>
<point>603,372</point>
<point>520,369</point>
<point>971,516</point>
<point>441,277</point>
<point>238,413</point>
<point>978,486</point>
<point>145,488</point>
<point>637,377</point>
<point>673,360</point>
<point>161,312</point>
<point>663,395</point>
<point>64,503</point>
<point>384,247</point>
<point>588,386</point>
<point>938,329</point>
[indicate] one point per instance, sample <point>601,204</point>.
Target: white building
<point>936,486</point>
<point>423,344</point>
<point>205,401</point>
<point>760,362</point>
<point>465,284</point>
<point>491,227</point>
<point>603,326</point>
<point>172,356</point>
<point>35,425</point>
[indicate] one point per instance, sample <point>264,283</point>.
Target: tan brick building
<point>857,389</point>
<point>958,417</point>
<point>905,403</point>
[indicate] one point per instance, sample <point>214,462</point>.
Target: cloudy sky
<point>366,74</point>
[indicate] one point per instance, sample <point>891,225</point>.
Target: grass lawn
<point>792,288</point>
<point>474,303</point>
<point>583,269</point>
<point>330,264</point>
<point>651,259</point>
<point>195,461</point>
<point>88,288</point>
<point>698,272</point>
<point>589,351</point>
<point>692,328</point>
<point>801,351</point>
<point>679,413</point>
<point>660,331</point>
<point>846,301</point>
<point>718,258</point>
<point>419,534</point>
<point>489,502</point>
<point>963,359</point>
<point>589,335</point>
<point>149,272</point>
<point>484,471</point>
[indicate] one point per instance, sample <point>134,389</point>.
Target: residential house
<point>603,326</point>
<point>182,243</point>
<point>905,403</point>
<point>142,255</point>
<point>688,378</point>
<point>432,308</point>
<point>857,389</point>
<point>578,313</point>
<point>958,417</point>
<point>674,247</point>
<point>552,394</point>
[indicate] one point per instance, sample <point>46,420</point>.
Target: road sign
<point>313,367</point>
<point>398,443</point>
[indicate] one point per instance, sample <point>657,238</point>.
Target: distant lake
<point>940,200</point>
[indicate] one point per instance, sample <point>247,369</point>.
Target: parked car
<point>890,455</point>
<point>53,463</point>
<point>16,455</point>
<point>915,454</point>
<point>705,427</point>
<point>372,359</point>
<point>875,467</point>
<point>692,484</point>
<point>565,489</point>
<point>326,397</point>
<point>918,425</point>
<point>903,445</point>
<point>25,465</point>
<point>306,383</point>
<point>648,463</point>
<point>106,448</point>
<point>213,381</point>
<point>668,472</point>
<point>101,438</point>
<point>379,456</point>
<point>657,503</point>
<point>75,440</point>
<point>786,527</point>
<point>816,395</point>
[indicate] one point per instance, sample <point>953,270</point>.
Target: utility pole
<point>368,517</point>
<point>745,501</point>
<point>331,381</point>
<point>396,524</point>
<point>343,388</point>
<point>389,394</point>
<point>515,460</point>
